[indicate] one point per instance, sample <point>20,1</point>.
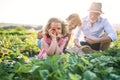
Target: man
<point>97,31</point>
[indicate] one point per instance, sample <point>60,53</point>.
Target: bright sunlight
<point>39,11</point>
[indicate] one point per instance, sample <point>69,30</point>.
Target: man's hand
<point>92,39</point>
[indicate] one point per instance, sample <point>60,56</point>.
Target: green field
<point>18,48</point>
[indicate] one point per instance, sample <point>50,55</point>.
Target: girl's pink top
<point>43,53</point>
<point>60,42</point>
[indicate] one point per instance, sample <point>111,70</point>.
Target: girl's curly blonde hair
<point>47,27</point>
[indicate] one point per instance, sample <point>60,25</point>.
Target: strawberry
<point>54,29</point>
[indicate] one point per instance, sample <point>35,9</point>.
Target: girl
<point>54,39</point>
<point>73,21</point>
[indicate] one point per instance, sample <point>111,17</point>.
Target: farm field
<point>18,48</point>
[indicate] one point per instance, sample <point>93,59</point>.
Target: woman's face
<point>93,16</point>
<point>56,27</point>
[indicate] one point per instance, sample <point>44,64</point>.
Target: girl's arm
<point>77,36</point>
<point>69,36</point>
<point>77,43</point>
<point>59,49</point>
<point>50,49</point>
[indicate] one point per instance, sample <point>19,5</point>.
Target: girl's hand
<point>59,36</point>
<point>52,33</point>
<point>77,43</point>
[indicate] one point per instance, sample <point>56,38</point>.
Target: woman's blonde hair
<point>48,26</point>
<point>74,17</point>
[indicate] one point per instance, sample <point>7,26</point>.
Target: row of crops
<point>18,62</point>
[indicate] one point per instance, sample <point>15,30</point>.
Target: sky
<point>38,12</point>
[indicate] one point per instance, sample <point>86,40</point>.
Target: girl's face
<point>56,27</point>
<point>93,16</point>
<point>72,25</point>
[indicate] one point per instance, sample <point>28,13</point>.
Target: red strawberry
<point>54,29</point>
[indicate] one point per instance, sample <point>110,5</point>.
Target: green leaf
<point>88,75</point>
<point>44,74</point>
<point>114,77</point>
<point>33,68</point>
<point>74,76</point>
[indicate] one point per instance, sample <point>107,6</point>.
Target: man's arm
<point>110,30</point>
<point>92,39</point>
